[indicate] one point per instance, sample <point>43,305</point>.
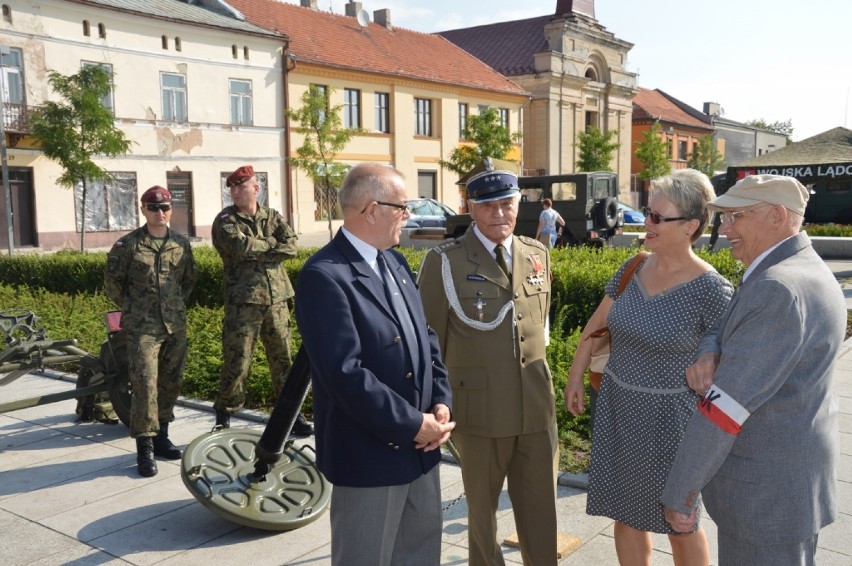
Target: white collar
<point>368,252</point>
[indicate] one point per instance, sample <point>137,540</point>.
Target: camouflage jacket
<point>252,249</point>
<point>151,286</point>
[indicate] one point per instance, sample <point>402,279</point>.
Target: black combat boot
<point>302,427</point>
<point>223,419</point>
<point>145,456</point>
<point>163,447</point>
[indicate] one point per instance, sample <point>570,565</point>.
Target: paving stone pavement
<point>69,494</point>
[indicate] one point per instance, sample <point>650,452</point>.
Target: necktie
<point>500,253</point>
<point>397,303</point>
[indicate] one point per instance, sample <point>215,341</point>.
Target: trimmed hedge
<point>66,291</point>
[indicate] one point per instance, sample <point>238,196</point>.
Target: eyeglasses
<point>731,217</point>
<point>398,206</point>
<point>151,207</point>
<point>657,218</point>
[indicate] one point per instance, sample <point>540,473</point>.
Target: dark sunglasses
<point>657,218</point>
<point>151,207</point>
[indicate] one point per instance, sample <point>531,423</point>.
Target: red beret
<point>240,176</point>
<point>156,194</point>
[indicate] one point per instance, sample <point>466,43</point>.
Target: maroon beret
<point>156,194</point>
<point>240,176</point>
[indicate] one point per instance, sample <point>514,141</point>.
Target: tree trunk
<point>83,219</point>
<point>328,207</point>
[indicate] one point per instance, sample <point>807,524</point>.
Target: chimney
<point>352,9</point>
<point>712,109</point>
<point>312,4</point>
<point>585,7</point>
<point>383,18</point>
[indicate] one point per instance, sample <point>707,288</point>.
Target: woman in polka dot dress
<point>644,401</point>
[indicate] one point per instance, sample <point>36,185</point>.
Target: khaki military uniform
<point>150,279</point>
<point>256,292</point>
<point>503,401</point>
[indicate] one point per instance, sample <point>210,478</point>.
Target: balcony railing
<point>16,118</point>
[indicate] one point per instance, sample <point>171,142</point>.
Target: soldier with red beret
<point>253,241</point>
<point>149,274</point>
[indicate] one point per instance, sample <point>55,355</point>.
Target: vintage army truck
<point>588,202</point>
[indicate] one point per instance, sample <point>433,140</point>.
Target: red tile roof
<point>656,105</point>
<point>336,40</point>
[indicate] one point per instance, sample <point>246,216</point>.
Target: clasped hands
<point>435,428</point>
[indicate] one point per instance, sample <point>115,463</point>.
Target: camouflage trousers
<point>155,363</point>
<point>242,325</point>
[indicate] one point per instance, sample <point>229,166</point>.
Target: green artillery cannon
<point>27,347</point>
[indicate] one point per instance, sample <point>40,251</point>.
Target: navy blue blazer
<point>368,403</point>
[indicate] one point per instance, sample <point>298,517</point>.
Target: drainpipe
<point>521,130</point>
<point>288,170</point>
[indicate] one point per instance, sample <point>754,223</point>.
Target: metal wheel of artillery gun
<point>27,347</point>
<point>260,481</point>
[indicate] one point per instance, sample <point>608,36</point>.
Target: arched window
<point>102,31</point>
<point>164,41</point>
<point>86,30</point>
<point>7,13</point>
<point>245,52</point>
<point>591,74</point>
<point>177,44</point>
<point>234,51</point>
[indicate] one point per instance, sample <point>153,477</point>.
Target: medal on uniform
<point>536,277</point>
<point>479,304</point>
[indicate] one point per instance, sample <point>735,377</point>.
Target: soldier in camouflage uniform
<point>253,241</point>
<point>149,274</point>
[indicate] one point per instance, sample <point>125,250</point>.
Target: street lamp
<point>7,189</point>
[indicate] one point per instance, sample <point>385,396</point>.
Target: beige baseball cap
<point>774,189</point>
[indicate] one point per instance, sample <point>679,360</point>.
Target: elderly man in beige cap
<point>762,446</point>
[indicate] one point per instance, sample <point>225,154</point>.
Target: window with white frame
<point>351,108</point>
<point>111,205</point>
<point>464,109</point>
<point>241,110</point>
<point>321,90</point>
<point>173,87</point>
<point>107,99</point>
<point>423,117</point>
<point>382,112</point>
<point>13,94</point>
<point>504,117</point>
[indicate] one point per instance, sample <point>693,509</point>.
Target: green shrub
<point>65,291</point>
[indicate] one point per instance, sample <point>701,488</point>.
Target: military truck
<point>588,202</point>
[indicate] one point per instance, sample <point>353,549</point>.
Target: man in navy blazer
<point>381,397</point>
<point>763,444</point>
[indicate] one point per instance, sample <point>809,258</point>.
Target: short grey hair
<point>365,183</point>
<point>689,191</point>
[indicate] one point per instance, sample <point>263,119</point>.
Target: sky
<point>774,60</point>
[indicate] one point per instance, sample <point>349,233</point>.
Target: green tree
<point>653,153</point>
<point>325,137</point>
<point>781,127</point>
<point>705,157</point>
<point>489,138</point>
<point>78,128</point>
<point>596,149</point>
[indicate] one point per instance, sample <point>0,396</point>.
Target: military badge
<point>536,276</point>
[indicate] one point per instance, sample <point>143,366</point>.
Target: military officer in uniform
<point>149,274</point>
<point>487,296</point>
<point>253,241</point>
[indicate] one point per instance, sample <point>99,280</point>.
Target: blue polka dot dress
<point>644,402</point>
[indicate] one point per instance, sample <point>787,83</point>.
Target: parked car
<point>428,213</point>
<point>631,215</point>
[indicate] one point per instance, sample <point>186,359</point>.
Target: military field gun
<point>27,347</point>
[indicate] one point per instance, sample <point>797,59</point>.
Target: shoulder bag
<point>601,339</point>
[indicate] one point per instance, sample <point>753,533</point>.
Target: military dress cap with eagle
<point>491,184</point>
